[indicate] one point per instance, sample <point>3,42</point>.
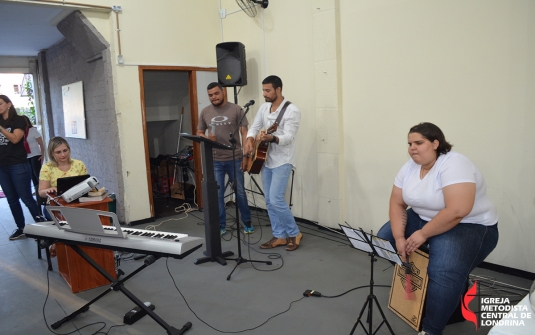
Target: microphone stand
<point>239,260</point>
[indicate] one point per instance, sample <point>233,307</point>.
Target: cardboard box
<point>177,190</point>
<point>162,169</point>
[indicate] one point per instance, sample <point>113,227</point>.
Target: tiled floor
<point>258,299</point>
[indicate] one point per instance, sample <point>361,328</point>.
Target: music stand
<point>375,247</point>
<point>209,197</point>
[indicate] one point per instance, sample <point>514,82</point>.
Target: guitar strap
<point>281,114</point>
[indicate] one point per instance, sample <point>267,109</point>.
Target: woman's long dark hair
<point>432,133</point>
<point>12,113</point>
<point>28,121</point>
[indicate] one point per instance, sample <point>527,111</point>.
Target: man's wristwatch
<point>274,140</point>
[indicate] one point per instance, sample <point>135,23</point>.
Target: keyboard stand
<point>117,285</point>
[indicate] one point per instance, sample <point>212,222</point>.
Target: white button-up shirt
<point>283,152</point>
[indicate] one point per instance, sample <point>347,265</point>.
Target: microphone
<point>250,103</point>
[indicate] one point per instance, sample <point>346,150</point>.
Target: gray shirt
<point>224,120</point>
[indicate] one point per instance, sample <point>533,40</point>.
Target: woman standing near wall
<point>15,172</point>
<point>36,154</point>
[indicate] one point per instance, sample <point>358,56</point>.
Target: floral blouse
<point>52,173</point>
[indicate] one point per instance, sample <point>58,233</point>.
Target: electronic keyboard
<point>162,244</point>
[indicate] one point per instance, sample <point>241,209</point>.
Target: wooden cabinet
<point>78,274</point>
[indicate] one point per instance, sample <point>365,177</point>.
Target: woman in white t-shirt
<point>439,199</point>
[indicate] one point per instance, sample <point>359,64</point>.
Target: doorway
<point>170,106</point>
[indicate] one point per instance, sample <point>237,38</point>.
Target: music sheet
<point>383,248</point>
<point>356,239</point>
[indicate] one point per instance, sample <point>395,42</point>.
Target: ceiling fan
<point>249,6</point>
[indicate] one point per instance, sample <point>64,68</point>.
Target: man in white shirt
<point>279,163</point>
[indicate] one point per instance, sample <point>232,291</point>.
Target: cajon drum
<point>411,310</point>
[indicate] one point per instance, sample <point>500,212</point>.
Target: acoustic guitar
<point>259,156</point>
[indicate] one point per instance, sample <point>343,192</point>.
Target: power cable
<point>218,330</point>
<point>313,293</point>
<point>76,328</point>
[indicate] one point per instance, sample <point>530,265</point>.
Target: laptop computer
<point>65,183</point>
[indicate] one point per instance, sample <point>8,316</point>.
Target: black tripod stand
<point>364,242</point>
<point>239,260</point>
<point>369,302</point>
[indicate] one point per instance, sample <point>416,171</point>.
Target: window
<point>16,89</point>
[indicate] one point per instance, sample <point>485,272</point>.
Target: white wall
<point>467,66</point>
<point>277,41</point>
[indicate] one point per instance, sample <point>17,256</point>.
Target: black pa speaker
<point>231,66</point>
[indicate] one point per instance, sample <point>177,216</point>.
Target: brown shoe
<point>274,242</point>
<point>294,242</point>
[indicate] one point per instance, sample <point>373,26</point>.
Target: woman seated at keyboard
<point>60,165</point>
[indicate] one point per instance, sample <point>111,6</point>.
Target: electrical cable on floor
<point>232,232</point>
<point>273,255</point>
<point>184,208</point>
<point>201,220</point>
<point>312,293</point>
<point>130,256</point>
<point>342,238</point>
<point>326,235</point>
<point>179,209</point>
<point>218,330</point>
<point>77,329</point>
<point>270,255</point>
<point>257,217</point>
<point>309,293</point>
<point>106,333</point>
<point>232,229</point>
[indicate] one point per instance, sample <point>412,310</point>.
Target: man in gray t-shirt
<point>221,119</point>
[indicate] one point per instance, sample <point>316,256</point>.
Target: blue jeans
<point>222,168</point>
<point>452,256</point>
<point>15,182</point>
<point>35,164</point>
<point>274,182</point>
